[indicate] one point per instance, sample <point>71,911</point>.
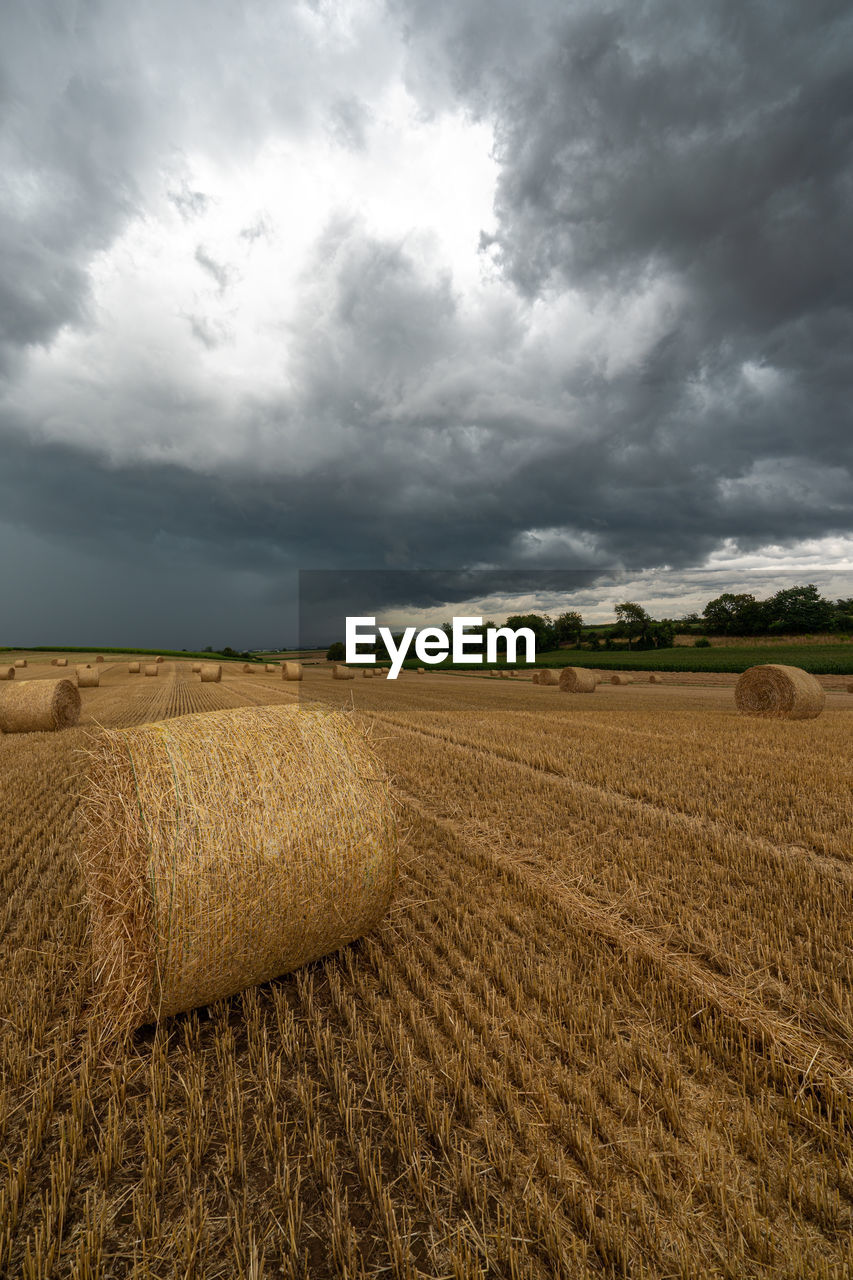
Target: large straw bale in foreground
<point>340,672</point>
<point>291,671</point>
<point>225,848</point>
<point>785,693</point>
<point>211,672</point>
<point>88,678</point>
<point>150,669</point>
<point>577,680</point>
<point>38,706</point>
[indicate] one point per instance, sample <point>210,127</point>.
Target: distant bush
<point>702,643</point>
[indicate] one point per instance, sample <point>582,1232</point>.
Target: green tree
<point>634,619</point>
<point>568,627</point>
<point>336,652</point>
<point>800,609</point>
<point>735,614</point>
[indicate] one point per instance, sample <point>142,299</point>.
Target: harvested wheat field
<point>604,1028</point>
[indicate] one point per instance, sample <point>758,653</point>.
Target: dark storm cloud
<point>681,171</point>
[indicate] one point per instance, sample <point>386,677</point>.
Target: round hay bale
<point>88,678</point>
<point>368,675</point>
<point>100,658</point>
<point>850,687</point>
<point>39,706</point>
<point>421,671</point>
<point>211,672</point>
<point>246,669</point>
<point>577,680</point>
<point>159,659</point>
<point>654,679</point>
<point>7,673</point>
<point>340,672</point>
<point>62,662</point>
<point>196,668</point>
<point>150,669</point>
<point>535,677</point>
<point>548,677</point>
<point>54,662</point>
<point>778,691</point>
<point>20,662</point>
<point>619,678</point>
<point>226,848</point>
<point>291,671</point>
<point>270,666</point>
<point>133,668</point>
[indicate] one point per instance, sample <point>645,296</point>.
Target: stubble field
<point>606,1028</point>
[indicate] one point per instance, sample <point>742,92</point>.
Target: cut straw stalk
<point>225,848</point>
<point>37,706</point>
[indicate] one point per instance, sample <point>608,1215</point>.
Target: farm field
<point>605,1030</point>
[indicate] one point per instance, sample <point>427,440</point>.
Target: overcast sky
<point>418,284</point>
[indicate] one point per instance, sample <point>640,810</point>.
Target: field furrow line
<point>838,868</point>
<point>814,1061</point>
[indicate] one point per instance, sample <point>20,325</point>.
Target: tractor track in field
<point>838,868</point>
<point>810,1052</point>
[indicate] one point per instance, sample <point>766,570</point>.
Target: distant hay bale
<point>618,678</point>
<point>653,679</point>
<point>535,677</point>
<point>133,668</point>
<point>270,666</point>
<point>778,691</point>
<point>291,671</point>
<point>850,687</point>
<point>577,680</point>
<point>62,662</point>
<point>227,848</point>
<point>88,678</point>
<point>7,673</point>
<point>159,659</point>
<point>211,672</point>
<point>150,669</point>
<point>247,668</point>
<point>39,706</point>
<point>421,671</point>
<point>340,672</point>
<point>548,677</point>
<point>20,662</point>
<point>196,668</point>
<point>368,675</point>
<point>54,662</point>
<point>100,658</point>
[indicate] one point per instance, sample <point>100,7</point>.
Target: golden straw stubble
<point>225,848</point>
<point>780,692</point>
<point>35,706</point>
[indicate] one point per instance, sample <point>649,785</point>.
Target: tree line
<point>793,611</point>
